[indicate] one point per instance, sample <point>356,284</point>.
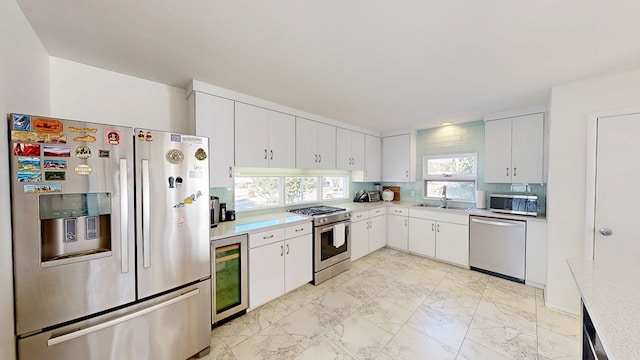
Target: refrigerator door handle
<point>76,334</point>
<point>124,218</point>
<point>146,218</point>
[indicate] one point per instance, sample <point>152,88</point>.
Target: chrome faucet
<point>444,197</point>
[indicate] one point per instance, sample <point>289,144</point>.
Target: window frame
<point>458,178</point>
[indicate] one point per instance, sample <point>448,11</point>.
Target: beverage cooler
<point>229,275</point>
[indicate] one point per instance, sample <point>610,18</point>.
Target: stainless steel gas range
<point>331,240</point>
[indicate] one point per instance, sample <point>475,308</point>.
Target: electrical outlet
<point>413,193</point>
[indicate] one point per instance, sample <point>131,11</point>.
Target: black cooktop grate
<point>317,210</point>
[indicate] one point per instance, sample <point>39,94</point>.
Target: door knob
<point>605,231</point>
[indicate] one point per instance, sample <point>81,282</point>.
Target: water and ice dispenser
<point>74,225</point>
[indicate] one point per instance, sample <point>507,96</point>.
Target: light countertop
<point>611,293</point>
<point>251,224</point>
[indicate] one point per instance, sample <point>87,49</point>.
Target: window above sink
<point>449,177</point>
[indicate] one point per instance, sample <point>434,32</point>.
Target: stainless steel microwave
<point>519,204</point>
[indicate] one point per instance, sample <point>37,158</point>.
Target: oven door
<point>329,245</point>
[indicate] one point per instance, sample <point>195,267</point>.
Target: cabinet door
<point>372,158</point>
<point>357,151</point>
<point>359,239</point>
<point>266,273</point>
<point>398,232</point>
<point>536,258</point>
<point>343,149</point>
<point>282,140</point>
<point>399,158</point>
<point>377,233</point>
<point>252,136</point>
<point>306,144</point>
<point>452,243</point>
<point>422,237</point>
<point>298,264</point>
<point>527,147</point>
<point>497,151</point>
<point>213,117</point>
<point>326,146</point>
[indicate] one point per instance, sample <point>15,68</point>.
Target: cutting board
<point>396,191</point>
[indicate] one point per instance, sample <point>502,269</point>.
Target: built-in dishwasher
<point>497,247</point>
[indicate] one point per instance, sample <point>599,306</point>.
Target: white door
<point>359,239</point>
<point>306,144</point>
<point>497,151</point>
<point>282,140</point>
<point>377,233</point>
<point>398,232</point>
<point>298,261</point>
<point>616,191</point>
<point>266,273</point>
<point>527,152</point>
<point>422,236</point>
<point>326,146</point>
<point>252,136</point>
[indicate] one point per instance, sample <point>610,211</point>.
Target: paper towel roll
<point>481,200</point>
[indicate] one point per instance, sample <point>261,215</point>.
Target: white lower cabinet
<point>452,243</point>
<point>368,232</point>
<point>398,228</point>
<point>422,237</point>
<point>536,258</point>
<point>442,235</point>
<point>280,260</point>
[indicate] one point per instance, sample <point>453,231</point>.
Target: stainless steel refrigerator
<point>110,241</point>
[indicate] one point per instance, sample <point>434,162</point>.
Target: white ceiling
<point>383,65</point>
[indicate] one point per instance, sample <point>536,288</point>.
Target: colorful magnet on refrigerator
<point>140,135</point>
<point>55,164</point>
<point>171,182</point>
<point>174,156</point>
<point>21,122</point>
<point>113,137</point>
<point>180,220</point>
<point>26,149</point>
<point>195,174</point>
<point>46,125</point>
<point>83,152</point>
<point>103,153</point>
<point>178,205</point>
<point>148,137</point>
<point>52,138</point>
<point>29,176</point>
<point>42,188</point>
<point>26,136</point>
<point>176,138</point>
<point>28,163</point>
<point>178,182</point>
<point>56,151</point>
<point>82,130</point>
<point>55,176</point>
<point>201,154</point>
<point>83,169</point>
<point>85,138</point>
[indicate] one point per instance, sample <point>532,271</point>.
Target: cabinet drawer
<point>378,211</point>
<point>357,216</point>
<point>265,237</point>
<point>298,230</point>
<point>400,211</point>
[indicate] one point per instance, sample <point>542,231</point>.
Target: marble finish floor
<point>393,305</point>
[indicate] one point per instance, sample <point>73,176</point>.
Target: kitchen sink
<point>433,206</point>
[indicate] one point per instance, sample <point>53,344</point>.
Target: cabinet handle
<point>316,155</point>
<point>267,237</point>
<point>438,228</point>
<point>287,249</point>
<point>281,250</point>
<point>507,171</point>
<point>320,158</point>
<point>406,222</point>
<point>407,173</point>
<point>366,174</point>
<point>230,172</point>
<point>433,227</point>
<point>265,154</point>
<point>271,154</point>
<point>514,172</point>
<point>297,230</point>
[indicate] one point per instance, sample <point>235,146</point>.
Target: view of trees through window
<point>253,192</point>
<point>456,173</point>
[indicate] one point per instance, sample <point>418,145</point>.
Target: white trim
<point>518,112</point>
<point>591,172</point>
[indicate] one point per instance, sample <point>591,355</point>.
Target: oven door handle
<point>332,226</point>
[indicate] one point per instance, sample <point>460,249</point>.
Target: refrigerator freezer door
<point>73,233</point>
<point>172,326</point>
<point>172,217</point>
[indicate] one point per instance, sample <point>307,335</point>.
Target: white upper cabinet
<point>399,158</point>
<point>372,158</point>
<point>315,145</point>
<point>212,116</point>
<point>514,150</point>
<point>264,138</point>
<point>350,150</point>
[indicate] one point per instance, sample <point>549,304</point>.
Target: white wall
<point>24,87</point>
<point>83,92</point>
<point>570,106</point>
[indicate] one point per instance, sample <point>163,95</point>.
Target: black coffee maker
<point>214,211</point>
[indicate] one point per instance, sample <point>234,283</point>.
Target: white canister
<point>481,200</point>
<point>387,195</point>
